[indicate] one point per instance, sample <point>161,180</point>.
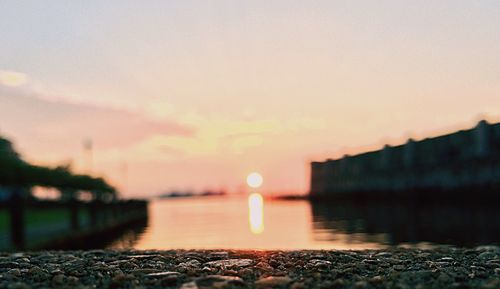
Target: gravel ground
<point>393,268</point>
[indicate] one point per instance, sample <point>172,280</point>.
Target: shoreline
<point>445,267</point>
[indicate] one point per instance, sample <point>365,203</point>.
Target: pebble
<point>18,285</point>
<point>230,263</point>
<point>58,279</point>
<point>361,285</point>
<point>163,274</point>
<point>213,281</point>
<point>142,257</point>
<point>72,280</point>
<point>320,263</point>
<point>246,273</point>
<point>273,281</point>
<point>14,272</point>
<point>487,255</point>
<point>370,261</point>
<point>383,254</point>
<point>376,279</point>
<point>189,285</point>
<point>489,248</point>
<point>9,265</point>
<point>218,255</point>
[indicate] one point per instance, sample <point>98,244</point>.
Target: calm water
<point>251,222</point>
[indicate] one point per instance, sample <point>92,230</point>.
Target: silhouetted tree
<point>16,172</point>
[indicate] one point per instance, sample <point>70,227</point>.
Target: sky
<point>195,95</point>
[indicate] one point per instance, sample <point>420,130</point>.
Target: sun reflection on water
<point>256,213</point>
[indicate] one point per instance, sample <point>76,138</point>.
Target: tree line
<point>15,172</point>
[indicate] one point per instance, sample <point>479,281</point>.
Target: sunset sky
<point>197,94</point>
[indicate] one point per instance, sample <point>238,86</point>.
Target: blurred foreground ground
<point>190,269</point>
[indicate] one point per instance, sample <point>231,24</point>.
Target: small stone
<point>495,263</point>
<point>167,278</point>
<point>370,261</point>
<point>189,285</point>
<point>442,264</point>
<point>298,285</point>
<point>383,254</point>
<point>145,271</point>
<point>119,279</point>
<point>58,279</point>
<point>320,263</point>
<point>488,248</point>
<point>361,285</point>
<point>119,262</point>
<point>274,263</point>
<point>5,265</point>
<point>141,257</point>
<point>163,274</point>
<point>392,261</point>
<point>191,264</point>
<point>376,280</point>
<point>487,255</point>
<point>273,281</point>
<point>264,266</point>
<point>338,283</point>
<point>18,285</point>
<point>230,272</point>
<point>444,278</point>
<point>72,280</point>
<point>398,267</point>
<point>56,272</point>
<point>14,272</point>
<point>423,274</point>
<point>25,260</point>
<point>230,263</point>
<point>218,255</point>
<point>318,256</point>
<point>218,281</point>
<point>246,273</point>
<point>493,284</point>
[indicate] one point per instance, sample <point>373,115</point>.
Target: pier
<point>29,225</point>
<point>85,212</point>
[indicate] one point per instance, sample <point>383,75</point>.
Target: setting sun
<point>255,180</point>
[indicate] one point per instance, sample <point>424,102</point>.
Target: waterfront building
<point>464,161</point>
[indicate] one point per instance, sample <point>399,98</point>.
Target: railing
<point>27,224</point>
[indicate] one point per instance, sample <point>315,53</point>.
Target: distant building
<point>461,161</point>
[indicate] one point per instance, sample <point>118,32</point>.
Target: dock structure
<point>85,213</point>
<point>463,162</point>
<point>34,224</point>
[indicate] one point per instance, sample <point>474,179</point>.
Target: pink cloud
<point>51,125</point>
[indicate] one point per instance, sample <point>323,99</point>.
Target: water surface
<point>249,222</point>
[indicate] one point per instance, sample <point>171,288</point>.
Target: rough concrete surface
<point>190,269</point>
